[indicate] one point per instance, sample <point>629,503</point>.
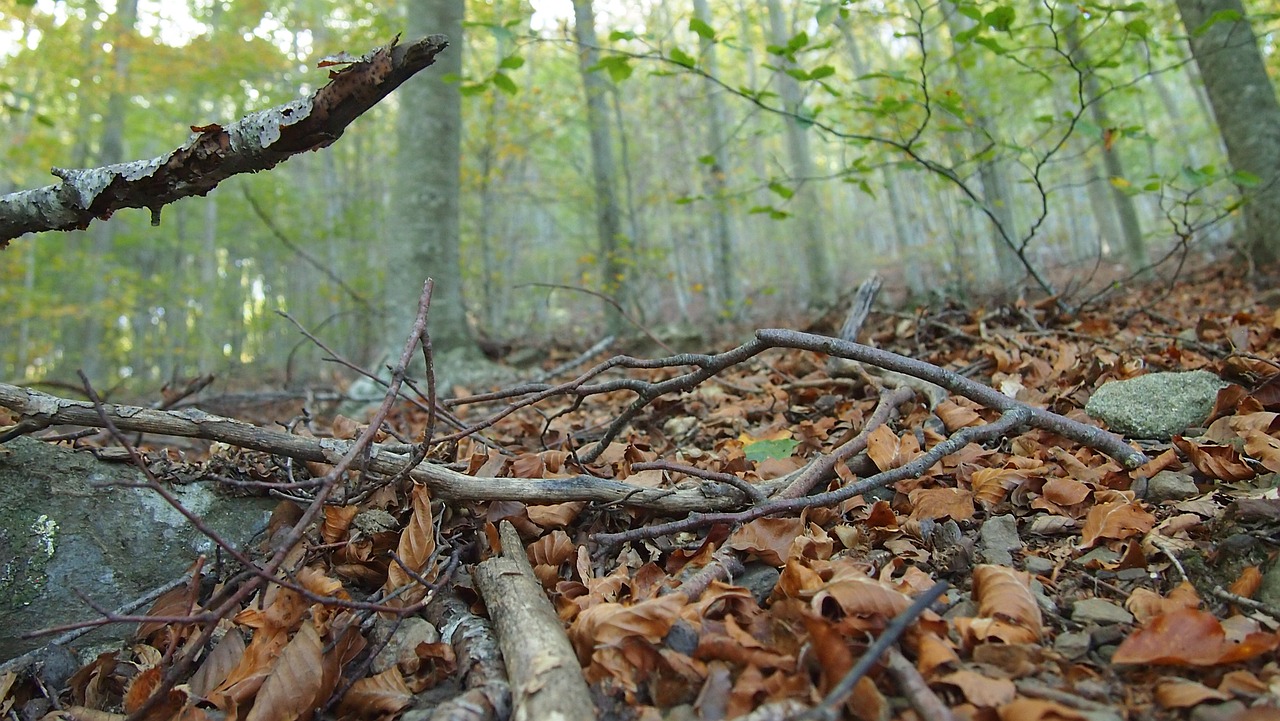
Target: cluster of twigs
<point>722,498</point>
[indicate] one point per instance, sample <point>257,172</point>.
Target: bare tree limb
<point>256,142</point>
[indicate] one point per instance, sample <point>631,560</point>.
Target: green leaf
<point>826,13</point>
<point>781,190</point>
<point>511,62</point>
<point>703,30</point>
<point>773,212</point>
<point>1245,179</point>
<point>822,71</point>
<point>617,35</point>
<point>798,73</point>
<point>799,40</point>
<point>618,67</point>
<point>707,160</point>
<point>1222,16</point>
<point>468,89</point>
<point>967,35</point>
<point>991,44</point>
<point>503,82</point>
<point>764,450</point>
<point>970,11</point>
<point>1000,19</point>
<point>1139,27</point>
<point>680,57</point>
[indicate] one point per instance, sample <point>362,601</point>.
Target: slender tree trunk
<point>991,170</point>
<point>1244,104</point>
<point>726,284</point>
<point>613,246</point>
<point>425,197</point>
<point>813,241</point>
<point>103,234</point>
<point>1135,248</point>
<point>903,238</point>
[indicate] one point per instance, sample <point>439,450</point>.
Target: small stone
<point>1073,645</point>
<point>1217,712</point>
<point>1100,556</point>
<point>1170,486</point>
<point>1096,610</point>
<point>1037,565</point>
<point>999,537</point>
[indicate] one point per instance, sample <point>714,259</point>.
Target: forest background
<point>706,164</point>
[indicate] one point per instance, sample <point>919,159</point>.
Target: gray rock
<point>1101,554</point>
<point>69,522</point>
<point>1073,645</point>
<point>1097,610</point>
<point>759,579</point>
<point>1156,405</point>
<point>1037,565</point>
<point>1170,486</point>
<point>1217,711</point>
<point>999,536</point>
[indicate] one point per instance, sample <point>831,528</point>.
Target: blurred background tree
<point>765,159</point>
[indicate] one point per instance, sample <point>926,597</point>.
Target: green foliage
<point>775,449</point>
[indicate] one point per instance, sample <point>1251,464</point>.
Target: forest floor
<point>1076,590</point>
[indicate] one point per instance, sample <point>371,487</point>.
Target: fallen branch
<point>444,483</point>
<point>546,680</point>
<point>256,142</point>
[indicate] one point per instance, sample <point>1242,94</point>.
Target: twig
<point>913,686</point>
<point>829,709</point>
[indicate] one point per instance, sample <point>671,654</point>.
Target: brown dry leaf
<point>935,503</point>
<point>417,546</point>
<point>933,653</point>
<point>608,625</point>
<point>992,485</point>
<point>1216,461</point>
<point>345,428</point>
<point>979,690</point>
<point>553,549</point>
<point>1034,709</point>
<point>337,519</point>
<point>1065,491</point>
<point>955,416</point>
<point>888,451</point>
<point>866,602</point>
<point>1248,583</point>
<point>1145,604</point>
<point>1184,693</point>
<point>255,665</point>
<point>1116,520</point>
<point>1007,610</point>
<point>143,686</point>
<point>1264,449</point>
<point>295,684</point>
<point>218,664</point>
<point>95,684</point>
<point>381,697</point>
<point>1189,637</point>
<point>559,515</point>
<point>769,539</point>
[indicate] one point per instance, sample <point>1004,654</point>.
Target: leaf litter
<point>1100,601</point>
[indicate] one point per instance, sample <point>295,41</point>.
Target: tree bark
<point>425,198</point>
<point>1244,104</point>
<point>813,241</point>
<point>612,244</point>
<point>726,284</point>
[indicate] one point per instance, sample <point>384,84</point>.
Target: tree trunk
<point>103,234</point>
<point>991,169</point>
<point>425,213</point>
<point>612,244</point>
<point>721,232</point>
<point>1135,248</point>
<point>813,242</point>
<point>1244,104</point>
